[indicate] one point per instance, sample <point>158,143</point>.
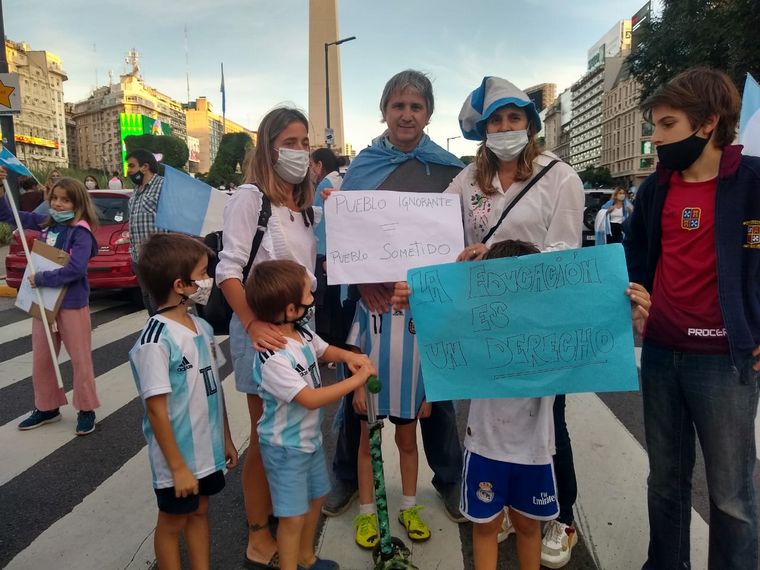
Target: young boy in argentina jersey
<point>290,435</point>
<point>175,363</point>
<point>389,340</point>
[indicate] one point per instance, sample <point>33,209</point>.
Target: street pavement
<point>86,502</point>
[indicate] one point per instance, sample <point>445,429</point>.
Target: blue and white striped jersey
<point>280,376</point>
<point>169,358</point>
<point>389,341</point>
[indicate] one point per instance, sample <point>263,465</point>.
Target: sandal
<point>273,564</point>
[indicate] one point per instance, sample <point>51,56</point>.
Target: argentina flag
<point>749,123</point>
<point>189,206</point>
<point>10,162</point>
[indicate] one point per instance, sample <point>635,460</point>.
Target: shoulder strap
<point>261,227</point>
<point>514,202</point>
<point>308,216</point>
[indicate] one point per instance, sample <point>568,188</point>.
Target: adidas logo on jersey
<point>185,365</point>
<point>301,370</point>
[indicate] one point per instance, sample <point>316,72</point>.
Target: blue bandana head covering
<point>493,93</point>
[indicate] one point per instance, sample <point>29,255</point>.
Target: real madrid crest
<point>485,491</point>
<point>412,330</point>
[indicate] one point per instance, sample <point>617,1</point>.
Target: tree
<point>596,177</point>
<point>174,149</point>
<point>689,33</point>
<point>230,154</point>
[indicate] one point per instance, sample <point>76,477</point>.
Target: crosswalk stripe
<point>130,505</point>
<point>611,468</point>
<point>443,550</point>
<point>24,327</point>
<point>20,367</point>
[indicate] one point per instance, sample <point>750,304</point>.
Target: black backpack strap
<point>514,202</point>
<point>308,216</point>
<point>261,227</point>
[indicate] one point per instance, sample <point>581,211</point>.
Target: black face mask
<point>137,178</point>
<point>682,154</point>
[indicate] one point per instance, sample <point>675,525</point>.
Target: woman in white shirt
<point>278,170</point>
<point>609,223</point>
<point>549,215</point>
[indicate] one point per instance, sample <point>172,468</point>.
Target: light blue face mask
<point>62,217</point>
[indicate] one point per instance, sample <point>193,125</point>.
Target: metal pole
<point>327,95</point>
<point>6,121</point>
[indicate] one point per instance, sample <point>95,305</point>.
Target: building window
<point>647,129</point>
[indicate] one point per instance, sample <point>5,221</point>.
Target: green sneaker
<point>366,530</point>
<point>416,529</point>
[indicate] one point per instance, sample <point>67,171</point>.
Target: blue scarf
<point>375,163</point>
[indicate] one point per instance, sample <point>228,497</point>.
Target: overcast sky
<point>264,47</point>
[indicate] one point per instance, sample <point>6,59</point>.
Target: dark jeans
<point>439,438</point>
<point>707,396</point>
<point>148,303</point>
<point>564,468</point>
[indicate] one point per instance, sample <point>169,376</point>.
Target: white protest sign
<point>375,236</point>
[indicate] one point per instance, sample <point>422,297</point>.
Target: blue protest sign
<point>550,323</point>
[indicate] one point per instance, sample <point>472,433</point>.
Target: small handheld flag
<point>12,163</point>
<point>749,123</point>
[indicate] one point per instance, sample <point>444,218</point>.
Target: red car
<point>111,268</point>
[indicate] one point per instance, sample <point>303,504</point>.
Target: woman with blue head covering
<point>515,191</point>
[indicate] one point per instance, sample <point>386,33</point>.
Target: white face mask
<point>201,295</point>
<point>292,165</point>
<point>91,185</point>
<point>507,145</point>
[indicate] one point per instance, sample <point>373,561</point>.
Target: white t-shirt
<point>550,215</point>
<point>616,216</point>
<point>286,236</point>
<point>517,430</point>
<point>169,358</point>
<point>280,376</point>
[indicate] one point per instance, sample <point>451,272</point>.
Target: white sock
<point>368,509</point>
<point>408,502</point>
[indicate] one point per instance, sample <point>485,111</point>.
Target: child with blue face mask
<point>68,226</point>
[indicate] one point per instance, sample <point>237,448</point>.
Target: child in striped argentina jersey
<point>389,340</point>
<point>175,363</point>
<point>290,436</point>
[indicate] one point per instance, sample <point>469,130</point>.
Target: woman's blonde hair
<point>84,209</point>
<point>487,163</point>
<point>261,169</point>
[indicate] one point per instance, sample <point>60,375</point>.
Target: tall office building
<point>205,126</point>
<point>323,29</point>
<point>40,128</point>
<point>587,92</point>
<point>115,111</point>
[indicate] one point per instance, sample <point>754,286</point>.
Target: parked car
<point>595,198</point>
<point>111,268</point>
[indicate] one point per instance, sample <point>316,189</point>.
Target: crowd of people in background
<point>694,265</point>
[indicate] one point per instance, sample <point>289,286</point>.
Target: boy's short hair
<point>510,248</point>
<point>272,286</point>
<point>701,92</point>
<point>165,258</point>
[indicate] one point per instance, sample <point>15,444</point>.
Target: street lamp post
<point>451,139</point>
<point>328,130</point>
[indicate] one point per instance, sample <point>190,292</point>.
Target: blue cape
<point>376,162</point>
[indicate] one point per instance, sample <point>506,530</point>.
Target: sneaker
<point>450,499</point>
<point>557,544</point>
<point>38,418</point>
<point>85,423</point>
<point>506,527</point>
<point>321,564</point>
<point>340,498</point>
<point>416,529</point>
<point>366,530</point>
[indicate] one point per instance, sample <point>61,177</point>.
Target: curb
<point>6,291</point>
